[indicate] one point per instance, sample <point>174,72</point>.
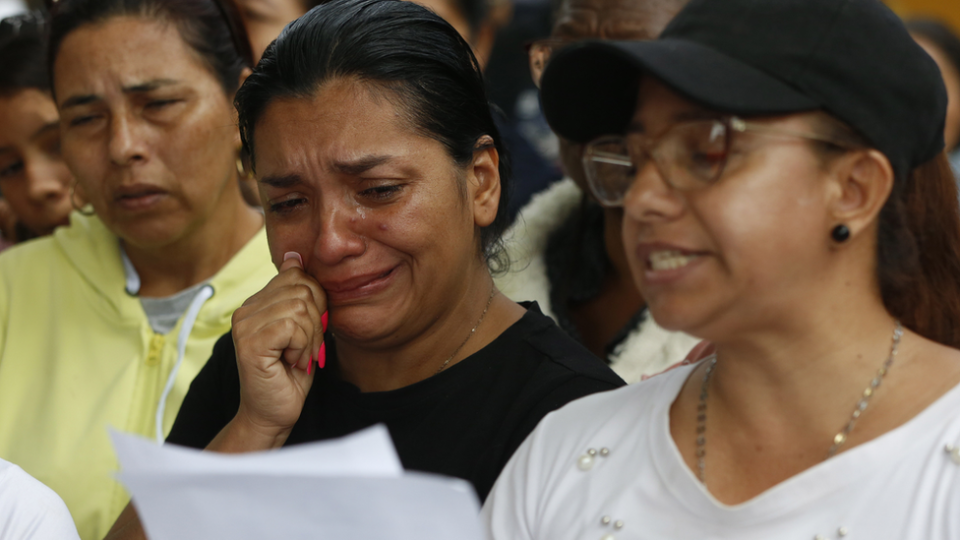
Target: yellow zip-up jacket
<point>77,355</point>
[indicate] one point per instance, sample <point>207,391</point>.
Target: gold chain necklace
<point>838,440</point>
<point>493,292</point>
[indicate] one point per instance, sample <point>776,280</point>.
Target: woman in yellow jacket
<point>106,323</point>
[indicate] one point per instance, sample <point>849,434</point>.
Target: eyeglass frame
<point>733,124</point>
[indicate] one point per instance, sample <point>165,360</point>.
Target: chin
<point>678,316</point>
<point>362,323</point>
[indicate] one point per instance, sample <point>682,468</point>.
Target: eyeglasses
<point>688,155</point>
<point>539,53</point>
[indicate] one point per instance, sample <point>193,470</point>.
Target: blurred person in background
<point>943,45</point>
<point>34,180</point>
<point>107,321</point>
<point>264,19</point>
<point>566,248</point>
<point>480,22</point>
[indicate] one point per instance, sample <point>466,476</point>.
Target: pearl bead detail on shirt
<point>586,461</point>
<point>954,452</point>
<point>617,525</point>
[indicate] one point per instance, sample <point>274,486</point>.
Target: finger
<point>264,350</point>
<point>291,259</point>
<point>297,307</point>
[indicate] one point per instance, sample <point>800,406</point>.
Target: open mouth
<point>669,260</point>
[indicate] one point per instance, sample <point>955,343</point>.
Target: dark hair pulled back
<point>918,244</point>
<point>401,50</point>
<point>212,28</point>
<point>22,54</point>
<point>918,253</point>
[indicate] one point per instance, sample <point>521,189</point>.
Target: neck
<point>805,367</point>
<point>384,369</point>
<point>198,255</point>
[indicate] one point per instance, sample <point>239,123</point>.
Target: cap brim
<point>590,89</point>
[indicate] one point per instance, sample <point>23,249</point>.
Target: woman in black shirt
<point>384,185</point>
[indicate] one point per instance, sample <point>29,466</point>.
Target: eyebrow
<point>361,165</point>
<point>149,86</point>
<point>350,168</point>
<point>282,181</point>
<point>45,128</point>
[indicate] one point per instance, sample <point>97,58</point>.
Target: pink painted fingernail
<point>310,364</point>
<point>322,355</point>
<point>293,255</point>
<point>323,320</point>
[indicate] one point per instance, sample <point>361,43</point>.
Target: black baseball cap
<point>851,58</point>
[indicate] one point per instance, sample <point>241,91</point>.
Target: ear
<point>861,188</point>
<point>483,181</point>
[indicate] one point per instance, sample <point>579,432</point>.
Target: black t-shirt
<point>465,421</point>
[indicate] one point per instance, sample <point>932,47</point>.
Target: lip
<point>667,276</point>
<point>357,287</point>
<point>136,197</point>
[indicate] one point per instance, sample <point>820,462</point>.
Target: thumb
<point>291,259</point>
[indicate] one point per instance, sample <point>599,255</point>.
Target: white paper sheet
<point>352,487</point>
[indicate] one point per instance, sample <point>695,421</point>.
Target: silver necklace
<point>493,292</point>
<point>838,440</point>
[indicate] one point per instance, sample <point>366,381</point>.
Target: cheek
<point>764,231</point>
<point>284,237</point>
<point>83,161</point>
<point>198,154</point>
<point>16,193</point>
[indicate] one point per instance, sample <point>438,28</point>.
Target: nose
<point>127,144</point>
<point>650,198</point>
<point>338,238</point>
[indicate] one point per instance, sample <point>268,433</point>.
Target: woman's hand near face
<point>277,333</point>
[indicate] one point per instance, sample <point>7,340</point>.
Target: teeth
<point>669,260</point>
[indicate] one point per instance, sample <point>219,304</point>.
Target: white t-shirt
<point>902,485</point>
<point>31,510</point>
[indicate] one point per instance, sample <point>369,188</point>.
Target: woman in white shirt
<point>786,197</point>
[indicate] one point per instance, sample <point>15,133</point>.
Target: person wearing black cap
<point>786,197</point>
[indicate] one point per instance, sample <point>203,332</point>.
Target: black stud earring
<point>840,233</point>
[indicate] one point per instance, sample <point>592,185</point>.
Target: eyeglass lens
<point>687,156</point>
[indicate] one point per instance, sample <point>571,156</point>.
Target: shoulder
<point>619,410</point>
<point>30,253</point>
<point>556,354</point>
<point>546,470</point>
<point>248,271</point>
<point>29,509</point>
